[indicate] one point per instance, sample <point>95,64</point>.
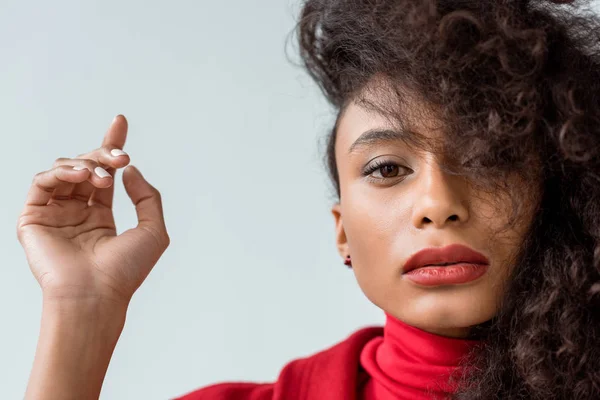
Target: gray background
<point>231,133</point>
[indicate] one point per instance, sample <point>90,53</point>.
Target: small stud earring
<point>348,262</point>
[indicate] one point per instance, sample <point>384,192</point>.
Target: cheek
<point>377,229</point>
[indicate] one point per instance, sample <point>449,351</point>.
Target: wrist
<point>86,312</point>
<point>76,342</point>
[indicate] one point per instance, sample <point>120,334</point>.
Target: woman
<point>465,157</point>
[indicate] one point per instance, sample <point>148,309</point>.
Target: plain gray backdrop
<point>232,134</point>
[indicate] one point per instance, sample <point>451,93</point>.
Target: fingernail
<point>78,168</point>
<point>101,172</point>
<point>117,152</point>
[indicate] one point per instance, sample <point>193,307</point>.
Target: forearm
<point>74,349</point>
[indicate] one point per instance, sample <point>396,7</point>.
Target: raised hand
<point>68,232</point>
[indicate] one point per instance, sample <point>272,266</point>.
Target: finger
<point>63,192</point>
<point>107,157</point>
<point>150,232</point>
<point>147,201</point>
<point>99,178</point>
<point>44,183</point>
<point>114,139</point>
<point>88,164</point>
<point>116,135</point>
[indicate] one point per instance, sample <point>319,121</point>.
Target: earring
<point>347,261</point>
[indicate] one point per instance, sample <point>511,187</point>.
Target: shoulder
<point>333,370</point>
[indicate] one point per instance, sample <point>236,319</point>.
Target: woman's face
<point>388,215</point>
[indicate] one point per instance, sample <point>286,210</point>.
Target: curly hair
<point>516,84</point>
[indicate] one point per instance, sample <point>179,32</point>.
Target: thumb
<point>148,203</point>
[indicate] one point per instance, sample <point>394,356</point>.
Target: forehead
<point>412,123</point>
<point>355,120</point>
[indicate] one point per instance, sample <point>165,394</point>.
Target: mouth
<point>440,265</point>
<point>444,256</point>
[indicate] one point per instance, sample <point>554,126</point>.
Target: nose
<point>441,199</point>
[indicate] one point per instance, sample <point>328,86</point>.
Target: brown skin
<point>382,222</point>
<point>86,271</point>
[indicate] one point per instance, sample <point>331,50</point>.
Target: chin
<point>445,310</point>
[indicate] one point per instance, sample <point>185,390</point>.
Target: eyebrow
<point>374,136</point>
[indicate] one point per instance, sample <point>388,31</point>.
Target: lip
<point>451,254</point>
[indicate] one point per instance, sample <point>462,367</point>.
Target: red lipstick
<point>452,264</point>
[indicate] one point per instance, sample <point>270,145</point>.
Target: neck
<point>474,332</point>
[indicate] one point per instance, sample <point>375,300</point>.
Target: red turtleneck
<point>396,361</point>
<point>407,361</point>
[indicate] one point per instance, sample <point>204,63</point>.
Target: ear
<point>340,234</point>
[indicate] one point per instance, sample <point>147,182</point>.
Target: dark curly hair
<point>516,84</point>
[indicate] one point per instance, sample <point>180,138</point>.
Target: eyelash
<point>380,164</point>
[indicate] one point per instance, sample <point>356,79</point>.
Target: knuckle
<point>21,222</point>
<point>89,162</point>
<point>19,230</point>
<point>101,153</point>
<point>59,161</point>
<point>63,161</point>
<point>38,176</point>
<point>159,237</point>
<point>155,192</point>
<point>163,239</point>
<point>24,220</point>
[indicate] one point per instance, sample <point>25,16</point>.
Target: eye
<point>382,170</point>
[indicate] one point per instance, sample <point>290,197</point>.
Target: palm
<point>59,240</point>
<point>71,243</point>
